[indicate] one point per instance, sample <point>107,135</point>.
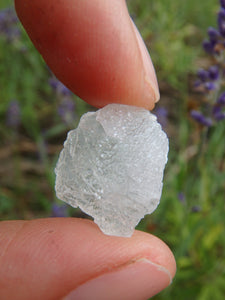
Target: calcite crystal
<point>112,167</point>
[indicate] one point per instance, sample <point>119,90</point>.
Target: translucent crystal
<point>112,167</point>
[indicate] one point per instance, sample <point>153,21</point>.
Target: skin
<point>49,258</point>
<point>93,48</point>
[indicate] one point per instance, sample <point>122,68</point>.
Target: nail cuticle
<point>159,267</point>
<point>140,274</point>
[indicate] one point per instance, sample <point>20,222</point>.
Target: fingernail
<point>151,82</point>
<point>138,280</point>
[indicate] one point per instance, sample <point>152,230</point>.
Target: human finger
<point>50,258</point>
<point>94,48</point>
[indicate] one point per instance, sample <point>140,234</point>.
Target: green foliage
<point>172,30</point>
<point>194,226</point>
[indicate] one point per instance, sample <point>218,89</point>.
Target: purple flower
<point>222,3</point>
<point>53,82</point>
<point>13,115</point>
<point>196,209</point>
<point>210,86</point>
<point>66,110</point>
<point>9,24</point>
<point>162,116</point>
<point>203,75</point>
<point>181,197</point>
<point>213,34</point>
<point>209,46</point>
<point>197,83</point>
<point>211,81</point>
<point>59,210</point>
<point>59,87</point>
<point>217,111</point>
<point>214,72</point>
<point>215,44</point>
<point>207,79</point>
<point>221,99</point>
<point>219,116</point>
<point>221,21</point>
<point>201,119</point>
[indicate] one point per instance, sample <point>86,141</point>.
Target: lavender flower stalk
<point>13,115</point>
<point>210,82</point>
<point>9,24</point>
<point>59,210</point>
<point>66,107</point>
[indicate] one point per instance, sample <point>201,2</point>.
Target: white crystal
<point>112,167</point>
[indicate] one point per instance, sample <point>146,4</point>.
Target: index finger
<point>94,48</point>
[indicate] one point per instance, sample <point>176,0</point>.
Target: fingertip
<point>93,48</point>
<point>48,258</point>
<point>137,280</point>
<point>156,251</point>
<point>151,88</point>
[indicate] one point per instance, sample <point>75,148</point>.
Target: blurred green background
<point>36,111</point>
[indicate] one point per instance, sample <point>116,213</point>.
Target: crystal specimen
<point>112,167</point>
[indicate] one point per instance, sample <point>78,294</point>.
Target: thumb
<point>72,258</point>
<point>94,48</point>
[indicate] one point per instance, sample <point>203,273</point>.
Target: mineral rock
<point>112,167</point>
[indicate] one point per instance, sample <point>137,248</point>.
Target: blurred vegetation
<point>35,118</point>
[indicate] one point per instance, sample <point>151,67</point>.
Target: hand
<point>55,258</point>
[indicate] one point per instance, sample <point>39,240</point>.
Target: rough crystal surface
<point>112,167</point>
